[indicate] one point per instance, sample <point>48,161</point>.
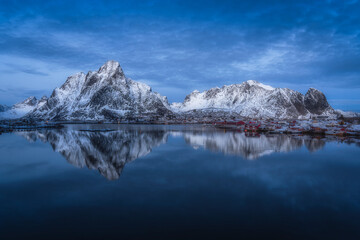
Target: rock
<point>106,94</point>
<point>254,99</point>
<point>315,102</point>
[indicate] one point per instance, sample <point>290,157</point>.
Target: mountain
<point>103,94</point>
<point>21,109</point>
<point>4,108</point>
<point>254,99</point>
<point>347,114</point>
<point>107,94</point>
<point>315,102</point>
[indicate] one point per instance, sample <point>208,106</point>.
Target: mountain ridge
<point>107,94</point>
<point>20,109</point>
<point>254,99</point>
<point>103,94</point>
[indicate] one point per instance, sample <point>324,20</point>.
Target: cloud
<point>15,68</point>
<point>183,45</point>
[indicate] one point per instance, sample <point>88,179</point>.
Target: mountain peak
<point>313,90</point>
<point>103,94</point>
<point>316,102</point>
<point>256,83</point>
<point>252,82</point>
<point>30,101</point>
<point>111,67</point>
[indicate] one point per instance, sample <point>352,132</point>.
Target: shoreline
<point>229,127</point>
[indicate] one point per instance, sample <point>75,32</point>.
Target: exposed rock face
<point>253,99</point>
<point>315,102</point>
<point>104,94</point>
<point>30,101</point>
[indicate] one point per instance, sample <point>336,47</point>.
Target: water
<point>177,182</point>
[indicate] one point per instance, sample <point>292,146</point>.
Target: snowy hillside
<point>347,114</point>
<point>254,99</point>
<point>21,109</point>
<point>4,108</point>
<point>99,95</point>
<point>107,94</point>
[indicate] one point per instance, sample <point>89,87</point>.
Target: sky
<point>179,46</point>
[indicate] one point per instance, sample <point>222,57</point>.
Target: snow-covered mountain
<point>254,99</point>
<point>347,114</point>
<point>103,94</point>
<point>21,109</point>
<point>4,108</point>
<point>107,94</point>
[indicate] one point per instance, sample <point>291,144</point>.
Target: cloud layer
<point>179,46</point>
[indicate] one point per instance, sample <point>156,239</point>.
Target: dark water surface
<point>177,182</point>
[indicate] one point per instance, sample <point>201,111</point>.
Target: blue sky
<point>179,46</point>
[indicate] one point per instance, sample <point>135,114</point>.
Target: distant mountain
<point>21,109</point>
<point>107,94</point>
<point>99,95</point>
<point>4,108</point>
<point>347,114</point>
<point>254,99</point>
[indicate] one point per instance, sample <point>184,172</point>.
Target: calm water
<point>177,182</point>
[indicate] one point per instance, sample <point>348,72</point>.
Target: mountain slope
<point>316,103</point>
<point>4,108</point>
<point>99,95</point>
<point>253,99</point>
<point>20,109</point>
<point>107,94</point>
<point>347,114</point>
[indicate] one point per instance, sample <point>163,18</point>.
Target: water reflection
<point>108,152</point>
<point>250,147</point>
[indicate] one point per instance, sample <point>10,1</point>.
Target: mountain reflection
<point>250,147</point>
<point>108,152</point>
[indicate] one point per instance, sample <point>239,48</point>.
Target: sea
<point>107,181</point>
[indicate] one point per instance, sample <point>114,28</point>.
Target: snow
<point>347,113</point>
<point>110,67</point>
<point>256,83</point>
<point>355,128</point>
<point>85,96</point>
<point>21,109</point>
<point>250,99</point>
<point>16,112</point>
